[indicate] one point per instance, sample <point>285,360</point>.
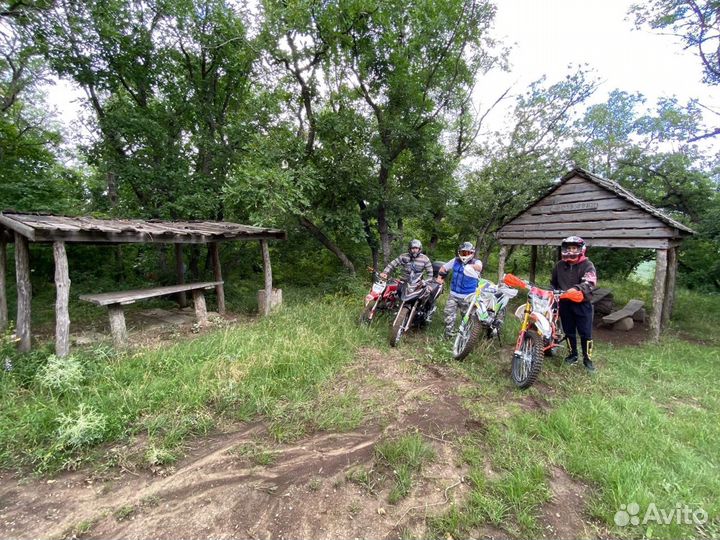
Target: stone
<point>624,324</point>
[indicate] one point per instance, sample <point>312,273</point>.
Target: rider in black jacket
<point>576,271</point>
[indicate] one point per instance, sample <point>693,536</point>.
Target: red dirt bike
<point>383,297</point>
<point>540,332</point>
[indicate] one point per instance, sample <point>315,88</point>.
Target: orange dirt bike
<point>540,332</point>
<point>485,315</point>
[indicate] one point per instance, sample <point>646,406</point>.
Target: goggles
<point>466,252</point>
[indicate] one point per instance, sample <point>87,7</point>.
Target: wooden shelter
<point>58,230</point>
<point>604,214</point>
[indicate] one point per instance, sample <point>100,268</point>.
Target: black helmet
<point>572,241</point>
<point>465,252</point>
<point>412,245</point>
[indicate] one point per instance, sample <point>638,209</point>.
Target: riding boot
<point>572,358</point>
<point>587,346</point>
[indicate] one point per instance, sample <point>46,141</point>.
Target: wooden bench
<point>602,301</point>
<point>630,309</point>
<point>116,300</point>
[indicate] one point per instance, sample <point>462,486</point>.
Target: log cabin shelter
<point>604,214</point>
<point>24,228</point>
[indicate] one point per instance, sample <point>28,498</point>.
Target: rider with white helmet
<point>466,271</point>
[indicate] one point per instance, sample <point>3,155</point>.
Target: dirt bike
<point>485,315</point>
<point>417,305</point>
<point>383,297</point>
<point>540,332</point>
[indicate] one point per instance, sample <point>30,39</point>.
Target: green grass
<point>274,367</point>
<point>405,456</point>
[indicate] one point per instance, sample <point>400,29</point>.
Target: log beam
<point>267,271</point>
<point>533,262</point>
<point>180,272</point>
<point>117,325</point>
<point>217,272</point>
<point>200,306</point>
<point>501,262</point>
<point>3,285</point>
<point>669,301</point>
<point>62,297</point>
<point>658,293</point>
<point>24,292</point>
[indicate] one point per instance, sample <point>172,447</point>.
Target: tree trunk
<point>658,293</point>
<point>533,262</point>
<point>383,227</point>
<point>501,262</point>
<point>62,287</point>
<point>369,235</point>
<point>24,292</point>
<point>329,244</point>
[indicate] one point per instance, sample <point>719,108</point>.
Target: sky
<point>548,35</point>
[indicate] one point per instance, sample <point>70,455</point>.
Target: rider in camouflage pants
<point>454,303</point>
<point>466,274</point>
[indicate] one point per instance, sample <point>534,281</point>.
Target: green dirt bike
<point>485,315</point>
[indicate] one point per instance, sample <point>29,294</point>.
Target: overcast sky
<point>548,35</point>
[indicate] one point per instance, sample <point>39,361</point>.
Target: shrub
<point>61,375</point>
<point>80,428</point>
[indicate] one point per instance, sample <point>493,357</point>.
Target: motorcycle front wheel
<point>367,314</point>
<point>399,325</point>
<point>527,363</point>
<point>467,337</point>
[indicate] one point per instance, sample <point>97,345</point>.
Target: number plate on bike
<point>378,287</point>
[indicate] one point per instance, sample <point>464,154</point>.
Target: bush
<point>61,375</point>
<point>82,427</point>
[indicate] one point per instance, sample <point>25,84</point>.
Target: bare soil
<point>310,488</point>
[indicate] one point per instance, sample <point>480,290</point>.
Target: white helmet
<point>466,252</point>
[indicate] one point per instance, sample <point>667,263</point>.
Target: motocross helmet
<point>576,255</point>
<point>414,244</point>
<point>465,252</point>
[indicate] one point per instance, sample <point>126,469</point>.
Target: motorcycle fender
<point>542,324</point>
<point>369,298</point>
<point>520,312</point>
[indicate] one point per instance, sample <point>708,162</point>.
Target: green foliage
<point>81,427</point>
<point>61,375</point>
<point>405,456</point>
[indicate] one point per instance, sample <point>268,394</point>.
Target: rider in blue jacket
<point>466,271</point>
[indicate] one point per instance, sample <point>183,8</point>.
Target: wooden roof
<point>48,228</point>
<point>601,211</point>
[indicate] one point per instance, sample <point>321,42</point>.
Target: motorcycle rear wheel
<point>467,337</point>
<point>526,366</point>
<point>397,329</point>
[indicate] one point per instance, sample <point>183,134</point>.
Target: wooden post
<point>669,300</point>
<point>180,271</point>
<point>268,275</point>
<point>117,324</point>
<point>200,307</point>
<point>501,262</point>
<point>658,293</point>
<point>24,292</point>
<point>533,262</point>
<point>62,297</point>
<point>3,285</point>
<point>217,272</point>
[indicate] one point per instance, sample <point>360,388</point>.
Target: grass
<point>405,456</point>
<point>274,368</point>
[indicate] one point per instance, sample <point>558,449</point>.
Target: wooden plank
<point>599,294</point>
<point>578,187</point>
<point>89,237</point>
<point>267,272</point>
<point>586,196</point>
<point>605,204</point>
<point>607,216</point>
<point>217,274</point>
<point>62,297</point>
<point>642,223</point>
<point>18,227</point>
<point>658,293</point>
<point>24,292</point>
<point>657,243</point>
<point>588,234</point>
<point>628,311</point>
<point>117,325</point>
<point>128,297</point>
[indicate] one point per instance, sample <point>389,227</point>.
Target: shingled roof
<point>49,227</point>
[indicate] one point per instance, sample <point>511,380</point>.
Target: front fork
<point>523,328</point>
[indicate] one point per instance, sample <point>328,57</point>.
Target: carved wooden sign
<point>567,207</point>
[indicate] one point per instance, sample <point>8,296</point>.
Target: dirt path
<point>306,492</point>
